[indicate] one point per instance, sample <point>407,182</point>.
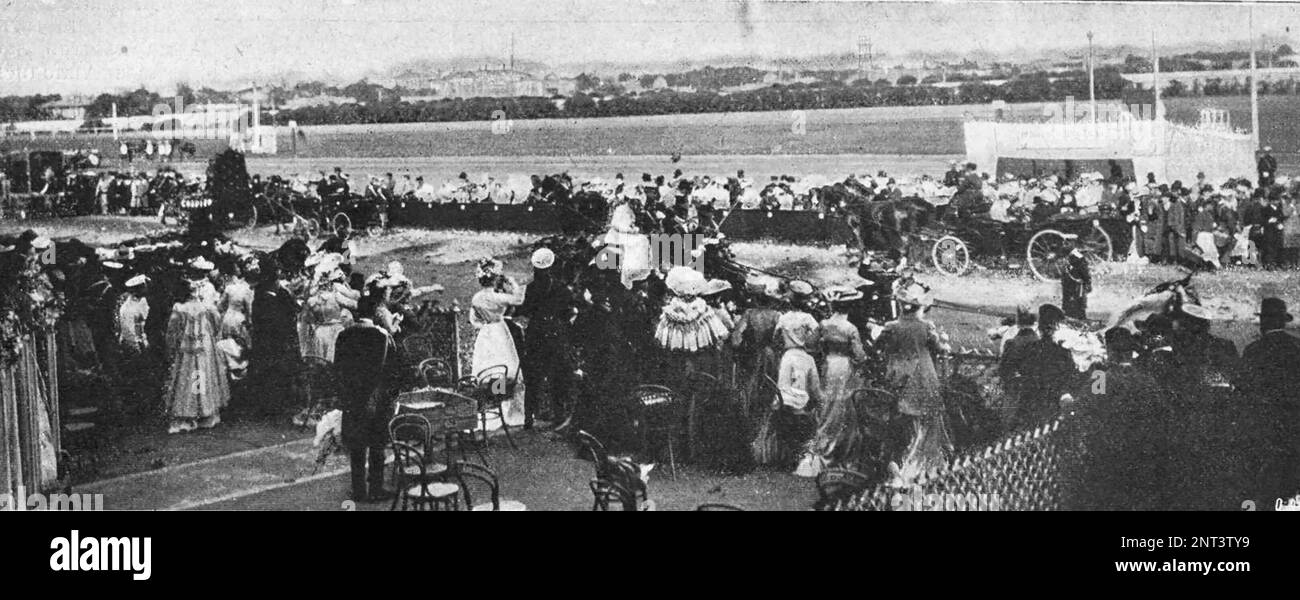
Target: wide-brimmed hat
<point>137,281</point>
<point>201,264</point>
<point>714,286</point>
<point>684,281</point>
<point>800,287</point>
<point>1195,311</point>
<point>328,263</point>
<point>542,258</point>
<point>111,264</point>
<point>840,293</point>
<point>1273,308</point>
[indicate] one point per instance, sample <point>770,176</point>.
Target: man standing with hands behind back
<point>364,358</point>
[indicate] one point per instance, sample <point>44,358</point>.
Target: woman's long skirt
<point>323,338</point>
<point>197,385</point>
<point>495,346</point>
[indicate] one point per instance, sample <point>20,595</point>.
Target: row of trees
<point>1210,61</point>
<point>25,108</point>
<point>1038,87</point>
<point>1229,87</point>
<point>376,104</point>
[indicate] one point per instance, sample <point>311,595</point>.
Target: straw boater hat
<point>202,264</point>
<point>137,281</point>
<point>543,258</point>
<point>111,264</point>
<point>841,293</point>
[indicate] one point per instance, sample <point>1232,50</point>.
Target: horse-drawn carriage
<point>955,243</point>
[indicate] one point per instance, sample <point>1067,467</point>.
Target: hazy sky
<point>96,45</point>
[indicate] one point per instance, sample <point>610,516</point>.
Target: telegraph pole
<point>1092,83</point>
<point>1155,77</point>
<point>1254,84</point>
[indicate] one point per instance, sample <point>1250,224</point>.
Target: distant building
<point>71,109</point>
<point>485,83</point>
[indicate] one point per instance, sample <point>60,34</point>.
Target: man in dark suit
<point>1153,227</point>
<point>1046,371</point>
<point>1175,227</point>
<point>548,353</point>
<point>364,361</point>
<point>1267,167</point>
<point>1076,281</point>
<point>1255,216</point>
<point>274,356</point>
<point>1269,378</point>
<point>1014,358</point>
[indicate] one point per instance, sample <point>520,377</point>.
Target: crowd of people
<point>1180,419</point>
<point>187,326</point>
<point>194,324</point>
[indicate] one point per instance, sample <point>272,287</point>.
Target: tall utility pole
<point>1155,77</point>
<point>1092,83</point>
<point>1254,84</point>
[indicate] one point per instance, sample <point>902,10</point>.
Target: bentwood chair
<point>423,491</point>
<point>492,386</point>
<point>658,415</point>
<point>435,372</point>
<point>473,476</point>
<point>414,430</point>
<point>608,469</point>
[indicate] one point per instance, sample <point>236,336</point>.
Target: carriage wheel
<point>1044,252</point>
<point>341,220</point>
<point>951,256</point>
<point>1097,246</point>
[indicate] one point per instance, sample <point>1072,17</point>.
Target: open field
<point>642,142</point>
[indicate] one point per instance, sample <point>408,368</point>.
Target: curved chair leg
<point>506,427</point>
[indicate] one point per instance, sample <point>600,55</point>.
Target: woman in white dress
<point>495,345</point>
<point>236,308</point>
<point>197,387</point>
<point>328,313</point>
